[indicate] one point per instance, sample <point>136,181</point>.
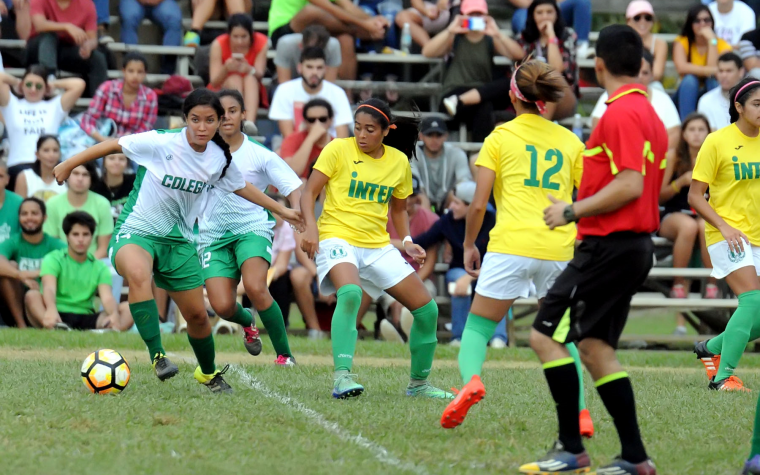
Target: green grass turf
<point>50,424</point>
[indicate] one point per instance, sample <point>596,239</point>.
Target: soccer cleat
<point>558,461</point>
<point>164,368</point>
<point>287,361</point>
<point>345,387</point>
<point>252,340</point>
<point>215,382</point>
<point>470,394</point>
<point>732,383</point>
<point>621,467</point>
<point>587,425</point>
<point>192,39</point>
<point>429,391</point>
<point>752,466</point>
<point>710,360</point>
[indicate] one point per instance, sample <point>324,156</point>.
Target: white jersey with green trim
<point>224,213</point>
<point>167,195</point>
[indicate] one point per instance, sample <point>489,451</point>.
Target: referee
<point>617,210</point>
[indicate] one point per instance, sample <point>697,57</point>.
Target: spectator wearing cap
<point>301,149</point>
<point>451,229</point>
<point>439,165</point>
<point>714,104</point>
<point>640,16</point>
<point>732,19</point>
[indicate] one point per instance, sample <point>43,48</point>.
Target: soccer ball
<point>105,372</point>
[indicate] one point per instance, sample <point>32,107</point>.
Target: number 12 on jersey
<point>545,182</point>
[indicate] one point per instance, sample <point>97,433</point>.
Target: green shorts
<point>175,264</point>
<point>225,257</point>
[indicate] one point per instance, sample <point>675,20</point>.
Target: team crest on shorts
<point>337,253</point>
<point>735,257</point>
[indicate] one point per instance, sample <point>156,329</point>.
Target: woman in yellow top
<point>729,164</point>
<point>695,56</point>
<point>363,174</point>
<point>527,162</point>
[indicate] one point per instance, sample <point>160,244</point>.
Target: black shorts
<point>592,296</point>
<point>79,321</point>
<point>280,32</point>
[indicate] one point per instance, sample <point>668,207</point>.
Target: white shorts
<point>724,261</point>
<point>507,277</point>
<point>379,269</point>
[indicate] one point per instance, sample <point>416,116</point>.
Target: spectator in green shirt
<point>9,203</point>
<point>21,257</point>
<point>71,278</point>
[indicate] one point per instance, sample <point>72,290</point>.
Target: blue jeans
<point>689,92</point>
<point>370,7</point>
<point>460,308</point>
<point>576,13</point>
<point>166,14</point>
<point>102,11</point>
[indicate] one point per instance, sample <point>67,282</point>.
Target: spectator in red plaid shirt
<point>131,105</point>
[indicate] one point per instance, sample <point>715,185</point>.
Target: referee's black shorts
<point>592,296</point>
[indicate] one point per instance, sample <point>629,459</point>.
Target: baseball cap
<point>474,6</point>
<point>465,191</point>
<point>637,7</point>
<point>431,125</point>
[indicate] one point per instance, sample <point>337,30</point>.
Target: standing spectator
<point>32,115</point>
<point>574,12</point>
<point>9,205</point>
<point>65,38</point>
<point>130,104</point>
<point>424,19</point>
<point>301,149</point>
<point>290,97</point>
<point>238,61</point>
<point>439,165</point>
<point>289,48</point>
<point>114,184</point>
<point>21,257</point>
<point>204,9</point>
<point>732,18</point>
<point>714,104</point>
<point>640,16</point>
<point>748,49</point>
<point>164,13</point>
<point>695,56</point>
<point>39,180</point>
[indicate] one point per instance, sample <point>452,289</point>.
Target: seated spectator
<point>103,12</point>
<point>32,115</point>
<point>714,104</point>
<point>471,65</point>
<point>290,97</point>
<point>130,104</point>
<point>748,50</point>
<point>238,61</point>
<point>695,56</point>
<point>301,149</point>
<point>679,223</point>
<point>424,19</point>
<point>16,25</point>
<point>204,9</point>
<point>575,12</point>
<point>21,257</point>
<point>114,184</point>
<point>65,38</point>
<point>164,13</point>
<point>9,205</point>
<point>289,48</point>
<point>71,278</point>
<point>732,19</point>
<point>439,165</point>
<point>39,180</point>
<point>640,16</point>
<point>661,102</point>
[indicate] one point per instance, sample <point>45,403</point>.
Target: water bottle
<point>578,126</point>
<point>406,39</point>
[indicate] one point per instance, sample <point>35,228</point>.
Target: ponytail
<point>217,139</point>
<point>403,132</point>
<point>538,82</point>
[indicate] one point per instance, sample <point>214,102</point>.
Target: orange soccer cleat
<point>732,383</point>
<point>710,360</point>
<point>470,394</point>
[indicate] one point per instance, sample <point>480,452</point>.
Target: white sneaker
<point>389,332</point>
<point>498,343</point>
<point>583,51</point>
<point>406,321</point>
<point>316,334</point>
<point>250,129</point>
<point>455,343</point>
<point>680,331</point>
<point>450,103</point>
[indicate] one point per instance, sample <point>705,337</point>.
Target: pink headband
<point>513,87</point>
<point>739,93</point>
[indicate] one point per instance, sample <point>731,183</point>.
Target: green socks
<point>478,331</point>
<point>343,328</point>
<point>145,315</point>
<point>242,317</point>
<point>273,321</point>
<point>204,352</point>
<point>738,332</point>
<point>573,350</point>
<point>423,339</point>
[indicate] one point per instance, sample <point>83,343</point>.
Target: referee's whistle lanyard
<point>427,173</point>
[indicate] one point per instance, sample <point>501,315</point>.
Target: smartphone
<point>238,55</point>
<point>474,23</point>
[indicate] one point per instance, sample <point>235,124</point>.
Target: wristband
<point>408,238</point>
<point>554,41</point>
<point>675,186</point>
<point>714,41</point>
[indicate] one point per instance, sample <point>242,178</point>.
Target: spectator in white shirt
<point>733,18</point>
<point>714,104</point>
<point>290,97</point>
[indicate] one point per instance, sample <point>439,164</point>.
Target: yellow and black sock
<point>562,378</point>
<point>617,395</point>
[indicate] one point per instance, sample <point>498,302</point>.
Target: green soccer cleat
<point>345,387</point>
<point>429,391</point>
<point>215,382</point>
<point>164,368</point>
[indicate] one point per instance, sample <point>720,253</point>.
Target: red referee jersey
<point>629,135</point>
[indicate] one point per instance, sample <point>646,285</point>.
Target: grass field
<point>282,421</point>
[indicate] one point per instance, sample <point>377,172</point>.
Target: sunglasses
<point>31,85</point>
<point>646,17</point>
<point>704,20</point>
<point>322,119</point>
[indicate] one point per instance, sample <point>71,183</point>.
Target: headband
<point>516,90</point>
<point>391,126</point>
<point>739,92</point>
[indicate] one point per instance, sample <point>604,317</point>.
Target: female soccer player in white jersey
<point>236,235</point>
<point>353,251</point>
<point>523,161</point>
<point>152,236</point>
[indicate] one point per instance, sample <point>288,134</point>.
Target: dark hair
<point>318,103</point>
<point>312,52</point>
<point>205,97</point>
<point>539,82</point>
<point>531,33</point>
<point>734,97</point>
<point>731,57</point>
<point>621,49</point>
<point>36,167</point>
<point>683,159</point>
<point>648,57</point>
<point>240,20</point>
<point>134,56</point>
<point>78,217</point>
<point>103,167</point>
<point>235,94</point>
<point>688,27</point>
<point>33,199</point>
<point>315,35</point>
<point>37,70</point>
<point>404,136</point>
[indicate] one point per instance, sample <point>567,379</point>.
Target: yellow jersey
<point>532,158</point>
<point>729,162</point>
<point>359,190</point>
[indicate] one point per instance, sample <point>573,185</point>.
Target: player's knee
<point>139,279</point>
<point>196,316</point>
<point>350,297</point>
<point>258,292</point>
<point>224,307</point>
